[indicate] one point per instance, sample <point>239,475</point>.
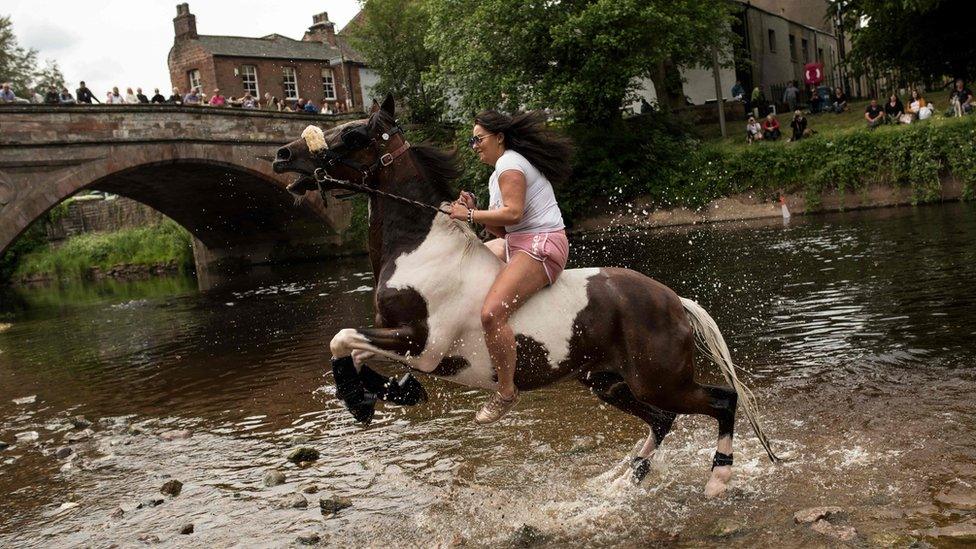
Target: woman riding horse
<point>524,216</point>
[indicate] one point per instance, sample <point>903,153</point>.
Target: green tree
<point>580,57</point>
<point>921,39</point>
<point>390,36</point>
<point>18,65</point>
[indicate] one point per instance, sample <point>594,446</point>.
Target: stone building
<point>777,38</point>
<point>322,66</point>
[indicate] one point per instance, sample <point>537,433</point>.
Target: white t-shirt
<point>542,213</point>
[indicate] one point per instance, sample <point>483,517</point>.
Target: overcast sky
<point>125,42</point>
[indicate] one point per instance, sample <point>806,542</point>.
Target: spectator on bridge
<point>65,98</point>
<point>84,95</point>
<point>248,102</point>
<point>326,108</point>
<point>192,98</point>
<point>175,98</point>
<point>217,100</point>
<point>310,107</point>
<point>300,105</point>
<point>770,126</point>
<point>117,98</point>
<point>7,94</point>
<point>141,97</point>
<point>738,92</point>
<point>36,96</point>
<point>893,109</point>
<point>840,101</point>
<point>790,95</point>
<point>52,97</point>
<point>799,126</point>
<point>204,100</point>
<point>158,98</point>
<point>753,131</point>
<point>874,114</point>
<point>130,96</point>
<point>960,99</point>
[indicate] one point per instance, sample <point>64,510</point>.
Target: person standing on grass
<point>874,114</point>
<point>790,95</point>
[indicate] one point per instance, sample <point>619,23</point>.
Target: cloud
<point>46,37</point>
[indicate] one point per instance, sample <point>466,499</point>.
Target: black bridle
<point>358,139</point>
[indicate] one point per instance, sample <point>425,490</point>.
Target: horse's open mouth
<point>301,185</point>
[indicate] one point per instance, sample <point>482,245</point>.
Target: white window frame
<point>328,84</point>
<point>289,78</point>
<point>193,76</point>
<point>249,78</point>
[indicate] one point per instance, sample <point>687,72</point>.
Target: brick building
<point>322,66</point>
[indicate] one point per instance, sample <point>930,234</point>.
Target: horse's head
<point>354,151</point>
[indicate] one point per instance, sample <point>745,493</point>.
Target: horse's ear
<point>389,105</point>
<point>375,107</point>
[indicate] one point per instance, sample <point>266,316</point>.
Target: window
<point>820,55</point>
<point>194,78</point>
<point>328,84</point>
<point>805,48</point>
<point>290,82</point>
<point>772,40</point>
<point>249,76</point>
<point>793,47</point>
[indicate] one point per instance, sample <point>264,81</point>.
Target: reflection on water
<point>854,329</point>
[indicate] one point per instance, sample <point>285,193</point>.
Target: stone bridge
<point>206,168</point>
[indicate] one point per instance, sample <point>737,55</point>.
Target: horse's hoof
<point>363,413</point>
<point>718,482</point>
<point>640,467</point>
<point>406,392</point>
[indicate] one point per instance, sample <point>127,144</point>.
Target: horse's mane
<point>440,167</point>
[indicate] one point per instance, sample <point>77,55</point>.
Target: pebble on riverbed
<point>293,501</point>
<point>813,514</point>
<point>63,452</point>
<point>79,422</point>
<point>274,478</point>
<point>187,529</point>
<point>304,453</point>
<point>331,506</point>
<point>527,536</point>
<point>172,488</point>
<point>308,539</point>
<point>3,446</point>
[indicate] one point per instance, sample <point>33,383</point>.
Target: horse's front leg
<point>357,385</point>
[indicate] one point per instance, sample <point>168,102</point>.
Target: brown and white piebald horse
<point>629,338</point>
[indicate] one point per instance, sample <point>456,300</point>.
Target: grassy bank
<point>79,256</point>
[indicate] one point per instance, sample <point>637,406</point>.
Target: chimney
<point>185,23</point>
<point>322,30</point>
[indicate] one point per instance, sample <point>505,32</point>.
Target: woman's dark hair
<point>527,134</point>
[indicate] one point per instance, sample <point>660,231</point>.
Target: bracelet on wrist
<point>470,216</point>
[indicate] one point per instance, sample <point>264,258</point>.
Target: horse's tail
<point>710,341</point>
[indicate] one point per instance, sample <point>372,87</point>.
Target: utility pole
<point>718,90</point>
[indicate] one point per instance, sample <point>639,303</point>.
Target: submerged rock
<point>304,453</point>
<point>527,536</point>
<point>27,436</point>
<point>79,422</point>
<point>963,531</point>
<point>26,400</point>
<point>813,514</point>
<point>310,489</point>
<point>836,531</point>
<point>958,498</point>
<point>178,434</point>
<point>149,538</point>
<point>79,436</point>
<point>726,528</point>
<point>274,478</point>
<point>187,529</point>
<point>293,501</point>
<point>3,446</point>
<point>308,539</point>
<point>172,488</point>
<point>118,513</point>
<point>331,506</point>
<point>151,502</point>
<point>63,452</point>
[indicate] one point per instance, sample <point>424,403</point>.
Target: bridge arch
<point>222,190</point>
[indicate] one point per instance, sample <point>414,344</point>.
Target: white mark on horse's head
<point>314,138</point>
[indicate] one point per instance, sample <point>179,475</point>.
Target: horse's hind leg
<point>612,389</point>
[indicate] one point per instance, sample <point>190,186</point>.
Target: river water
<point>854,330</point>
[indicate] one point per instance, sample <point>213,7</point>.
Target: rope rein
<point>321,176</point>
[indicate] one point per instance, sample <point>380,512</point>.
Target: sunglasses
<point>476,140</point>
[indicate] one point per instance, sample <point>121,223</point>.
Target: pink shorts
<point>552,249</point>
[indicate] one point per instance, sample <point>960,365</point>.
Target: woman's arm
<point>512,185</point>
